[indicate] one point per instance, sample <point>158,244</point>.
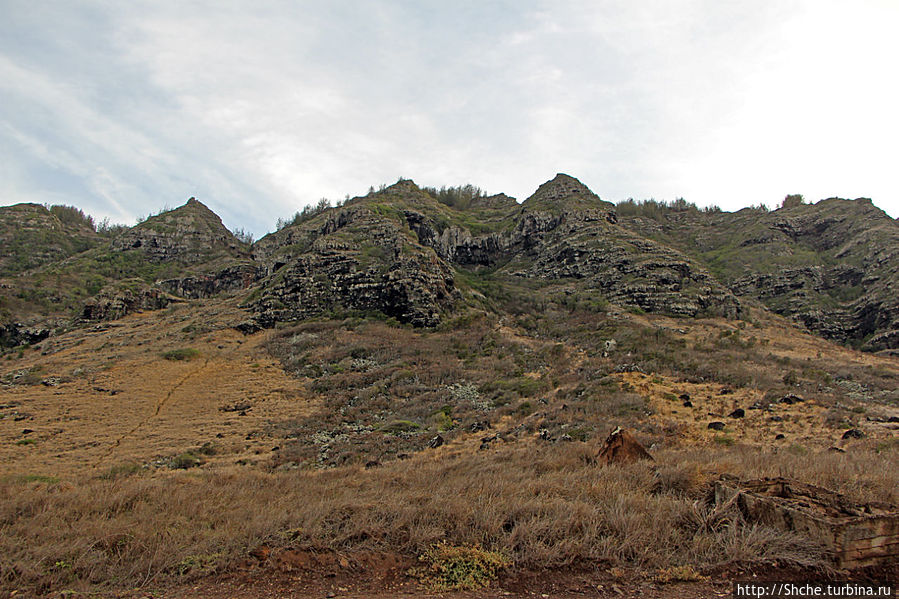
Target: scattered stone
<point>620,447</point>
<point>372,464</point>
<point>854,433</point>
<point>220,435</point>
<point>545,435</point>
<point>779,436</point>
<point>776,419</point>
<point>684,397</point>
<point>565,438</point>
<point>717,426</point>
<point>435,442</point>
<point>791,399</point>
<point>738,413</point>
<point>688,404</point>
<point>480,425</point>
<point>759,404</point>
<point>238,407</point>
<point>27,431</point>
<point>725,391</point>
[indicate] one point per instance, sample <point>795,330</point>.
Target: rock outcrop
<point>190,234</point>
<point>352,260</point>
<point>566,232</point>
<point>833,266</point>
<point>116,302</point>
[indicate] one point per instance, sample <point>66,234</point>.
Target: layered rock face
<point>191,234</point>
<point>565,232</point>
<point>832,266</point>
<point>352,260</point>
<point>400,252</point>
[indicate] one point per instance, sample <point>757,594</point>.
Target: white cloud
<point>260,109</point>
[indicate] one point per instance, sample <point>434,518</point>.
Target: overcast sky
<point>259,108</point>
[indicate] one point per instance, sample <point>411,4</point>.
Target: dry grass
<point>544,506</point>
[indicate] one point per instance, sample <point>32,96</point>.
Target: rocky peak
<point>562,192</point>
<point>189,234</point>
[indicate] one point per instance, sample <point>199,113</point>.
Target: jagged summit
<point>564,191</point>
<point>189,234</point>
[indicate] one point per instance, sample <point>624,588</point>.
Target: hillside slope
<point>833,265</point>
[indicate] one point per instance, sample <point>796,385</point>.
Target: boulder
<point>621,447</point>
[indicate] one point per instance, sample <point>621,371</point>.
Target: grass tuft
<point>182,354</point>
<point>459,568</point>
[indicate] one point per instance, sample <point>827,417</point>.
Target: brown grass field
<point>302,453</point>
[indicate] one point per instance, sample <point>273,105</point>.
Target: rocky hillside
<point>833,265</point>
<point>32,235</point>
<point>400,251</point>
<point>79,275</point>
<point>412,254</point>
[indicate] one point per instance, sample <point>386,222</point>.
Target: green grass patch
<point>183,354</point>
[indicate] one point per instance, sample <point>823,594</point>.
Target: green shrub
<point>455,568</point>
<point>185,353</point>
<point>184,461</point>
<point>400,426</point>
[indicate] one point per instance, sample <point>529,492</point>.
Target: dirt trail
<point>159,405</point>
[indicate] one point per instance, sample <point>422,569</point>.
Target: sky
<point>260,108</point>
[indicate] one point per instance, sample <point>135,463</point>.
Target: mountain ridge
<point>399,251</point>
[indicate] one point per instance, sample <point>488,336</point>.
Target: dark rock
<point>688,404</point>
<point>478,426</point>
<point>27,431</point>
<point>13,334</point>
<point>791,399</point>
<point>565,438</point>
<point>545,435</point>
<point>372,464</point>
<point>738,413</point>
<point>835,449</point>
<point>779,436</point>
<point>893,419</point>
<point>435,442</point>
<point>717,426</point>
<point>232,278</point>
<point>248,327</point>
<point>725,391</point>
<point>854,433</point>
<point>684,397</point>
<point>113,303</point>
<point>776,419</point>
